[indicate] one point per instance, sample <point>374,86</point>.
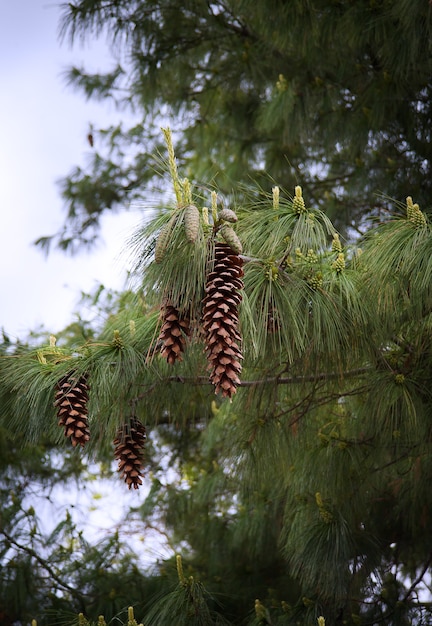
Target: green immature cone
<point>231,238</point>
<point>163,239</point>
<point>191,223</point>
<point>228,215</point>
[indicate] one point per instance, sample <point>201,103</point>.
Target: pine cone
<point>220,320</point>
<point>228,215</point>
<point>164,237</point>
<point>175,329</point>
<point>191,223</point>
<point>230,236</point>
<point>129,444</point>
<point>71,398</point>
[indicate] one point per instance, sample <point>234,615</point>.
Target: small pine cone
<point>231,238</point>
<point>191,223</point>
<point>228,215</point>
<point>129,444</point>
<point>175,329</point>
<point>164,237</point>
<point>71,400</point>
<point>220,320</point>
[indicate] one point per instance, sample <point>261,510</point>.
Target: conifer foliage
<point>303,481</point>
<point>299,492</point>
<point>255,78</point>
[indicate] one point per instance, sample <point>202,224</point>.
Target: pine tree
<point>250,91</point>
<point>306,491</point>
<point>299,492</point>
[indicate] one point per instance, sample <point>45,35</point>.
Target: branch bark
<point>278,380</point>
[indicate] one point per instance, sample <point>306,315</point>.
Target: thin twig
<point>418,579</point>
<point>43,563</point>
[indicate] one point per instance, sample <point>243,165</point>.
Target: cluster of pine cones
<point>71,400</point>
<point>219,322</point>
<point>219,325</point>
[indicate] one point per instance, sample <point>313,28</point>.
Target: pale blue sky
<point>44,127</point>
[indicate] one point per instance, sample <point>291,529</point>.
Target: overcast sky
<point>44,126</point>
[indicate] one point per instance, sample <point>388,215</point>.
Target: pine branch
<point>388,615</point>
<point>418,579</point>
<point>33,554</point>
<point>278,380</point>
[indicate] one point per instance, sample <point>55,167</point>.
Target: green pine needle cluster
<point>328,432</point>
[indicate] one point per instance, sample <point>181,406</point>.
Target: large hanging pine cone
<point>71,400</point>
<point>129,444</point>
<point>175,329</point>
<point>220,320</point>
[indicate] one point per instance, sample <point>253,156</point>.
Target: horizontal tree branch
<point>43,563</point>
<point>278,380</point>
